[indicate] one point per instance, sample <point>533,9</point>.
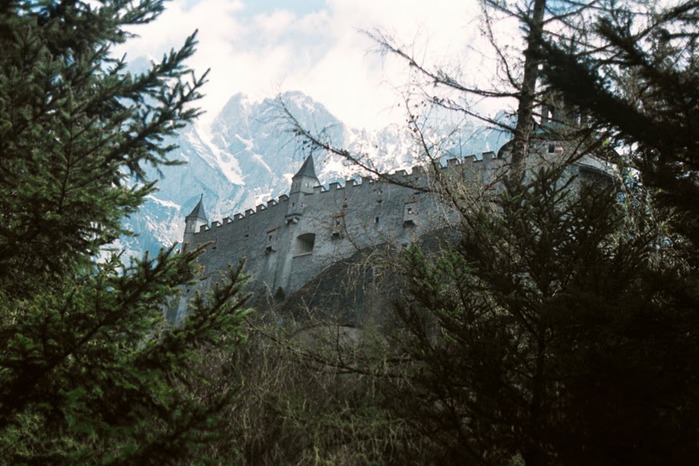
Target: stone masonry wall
<point>283,253</point>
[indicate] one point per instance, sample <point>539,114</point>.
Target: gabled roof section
<point>307,170</point>
<point>198,211</point>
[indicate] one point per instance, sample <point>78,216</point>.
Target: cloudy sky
<point>262,47</point>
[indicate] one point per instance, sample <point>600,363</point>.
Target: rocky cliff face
<point>248,156</point>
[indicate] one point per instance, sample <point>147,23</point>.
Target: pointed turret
<point>307,169</point>
<point>302,184</point>
<point>193,221</point>
<point>198,211</point>
<point>305,179</point>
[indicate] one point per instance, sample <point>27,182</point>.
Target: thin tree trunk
<point>525,110</point>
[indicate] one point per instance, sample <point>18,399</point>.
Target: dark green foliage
<point>640,86</point>
<point>74,127</point>
<point>89,370</point>
<point>550,333</point>
<point>640,83</point>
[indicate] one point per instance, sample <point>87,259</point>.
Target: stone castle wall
<point>283,251</point>
<point>291,240</point>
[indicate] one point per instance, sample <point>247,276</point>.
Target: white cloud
<point>318,51</point>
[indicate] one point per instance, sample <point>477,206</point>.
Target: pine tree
<point>89,371</point>
<point>549,333</point>
<point>640,85</point>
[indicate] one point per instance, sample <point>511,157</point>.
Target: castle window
<point>410,213</point>
<point>338,226</point>
<point>305,243</point>
<point>271,241</point>
<point>379,193</point>
<point>376,220</point>
<point>555,148</point>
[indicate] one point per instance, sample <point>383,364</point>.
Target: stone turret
<point>557,115</point>
<point>194,221</point>
<point>302,184</point>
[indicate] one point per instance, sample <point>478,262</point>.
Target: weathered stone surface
<point>315,232</point>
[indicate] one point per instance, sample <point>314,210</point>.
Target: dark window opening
<point>305,243</point>
<point>409,214</point>
<point>337,226</point>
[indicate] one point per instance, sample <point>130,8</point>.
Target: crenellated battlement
<point>416,175</point>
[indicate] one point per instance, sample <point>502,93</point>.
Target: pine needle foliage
<point>549,334</point>
<point>639,82</point>
<point>89,370</point>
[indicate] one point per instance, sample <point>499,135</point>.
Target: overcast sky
<point>262,47</point>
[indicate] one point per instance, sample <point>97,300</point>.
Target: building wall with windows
<point>292,239</point>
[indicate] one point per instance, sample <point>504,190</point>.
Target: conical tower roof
<point>198,211</point>
<point>307,169</point>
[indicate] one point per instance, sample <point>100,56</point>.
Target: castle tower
<point>301,184</point>
<point>557,115</point>
<point>193,221</point>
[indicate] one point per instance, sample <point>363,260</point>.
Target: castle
<point>289,241</point>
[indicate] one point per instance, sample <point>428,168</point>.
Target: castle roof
<point>307,169</point>
<point>198,211</point>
